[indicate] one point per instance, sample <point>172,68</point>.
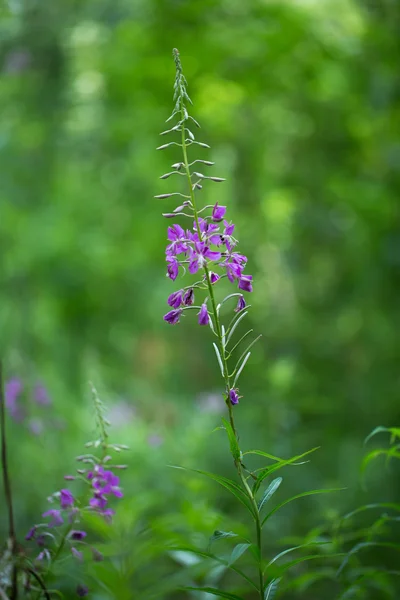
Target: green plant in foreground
<point>363,579</point>
<point>207,251</point>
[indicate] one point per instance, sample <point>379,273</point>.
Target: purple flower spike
<point>31,533</point>
<point>241,304</point>
<point>218,212</point>
<point>75,534</point>
<point>56,518</point>
<point>173,316</point>
<point>82,591</point>
<point>188,297</point>
<point>245,283</point>
<point>204,317</point>
<point>214,277</point>
<point>234,396</point>
<point>66,498</point>
<point>175,299</point>
<point>41,395</point>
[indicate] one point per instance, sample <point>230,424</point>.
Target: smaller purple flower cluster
<point>19,410</point>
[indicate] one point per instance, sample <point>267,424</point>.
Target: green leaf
<point>389,453</point>
<point>297,561</point>
<point>206,554</point>
<point>214,592</point>
<point>233,443</point>
<point>278,465</point>
<point>219,358</point>
<point>394,432</point>
<point>278,556</point>
<point>220,535</point>
<point>230,485</point>
<point>271,489</point>
<point>302,495</point>
<point>237,552</point>
<point>246,358</point>
<point>271,590</point>
<point>371,507</point>
<point>363,545</point>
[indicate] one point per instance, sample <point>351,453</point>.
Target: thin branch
<point>7,488</point>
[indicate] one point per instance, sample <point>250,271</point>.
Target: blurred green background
<point>300,101</point>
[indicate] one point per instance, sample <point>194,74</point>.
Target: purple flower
<point>66,498</point>
<point>41,395</point>
<point>82,590</point>
<point>188,297</point>
<point>245,283</point>
<point>173,268</point>
<point>204,317</point>
<point>218,212</point>
<point>173,316</point>
<point>229,228</point>
<point>241,303</point>
<point>98,501</point>
<point>77,554</point>
<point>31,533</point>
<point>175,299</point>
<point>56,518</point>
<point>76,534</point>
<point>108,483</point>
<point>199,255</point>
<point>12,392</point>
<point>234,396</point>
<point>214,277</point>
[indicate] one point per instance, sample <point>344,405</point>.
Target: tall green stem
<point>218,331</point>
<point>7,490</point>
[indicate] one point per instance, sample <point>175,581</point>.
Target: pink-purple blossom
<point>66,498</point>
<point>218,212</point>
<point>204,317</point>
<point>173,316</point>
<point>234,396</point>
<point>55,517</point>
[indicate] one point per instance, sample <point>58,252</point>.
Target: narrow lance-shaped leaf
<point>278,465</point>
<point>237,552</point>
<point>288,550</point>
<point>220,535</point>
<point>219,358</point>
<point>207,554</point>
<point>271,590</point>
<point>231,329</point>
<point>228,484</point>
<point>214,592</point>
<point>246,358</point>
<point>246,351</point>
<point>394,432</point>
<point>271,489</point>
<point>297,497</point>
<point>233,442</point>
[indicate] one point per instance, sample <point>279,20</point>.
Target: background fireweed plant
<point>208,250</point>
<point>65,531</point>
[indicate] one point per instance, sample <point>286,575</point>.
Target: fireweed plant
<point>207,247</point>
<point>61,534</point>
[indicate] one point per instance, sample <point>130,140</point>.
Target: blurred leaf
<point>237,552</point>
<point>271,489</point>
